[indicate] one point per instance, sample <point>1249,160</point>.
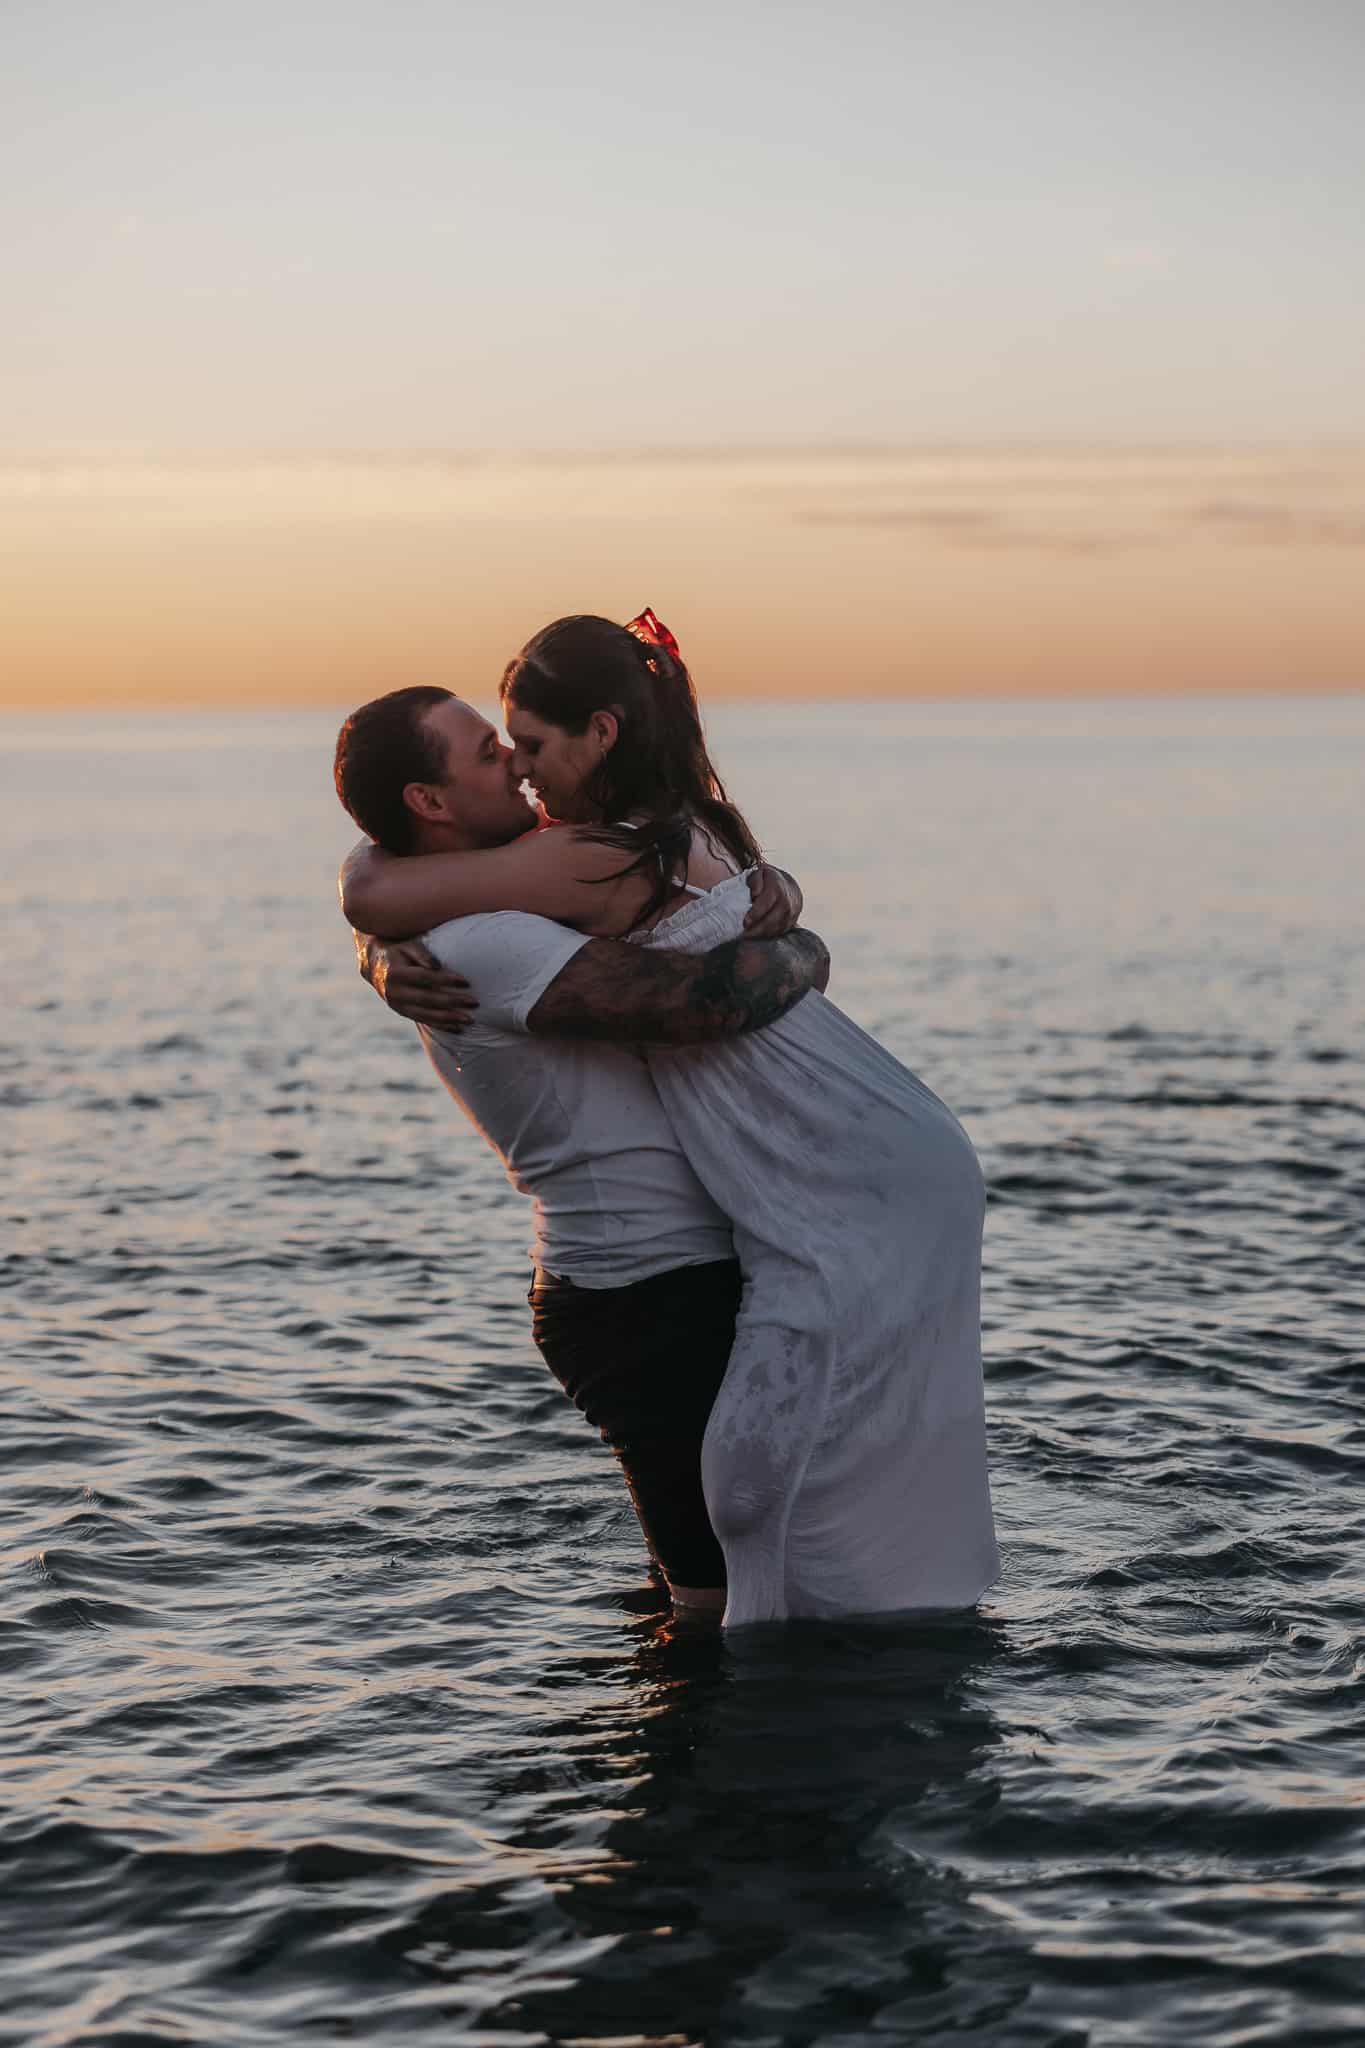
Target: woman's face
<point>556,763</point>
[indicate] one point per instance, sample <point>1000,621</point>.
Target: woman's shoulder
<point>708,862</point>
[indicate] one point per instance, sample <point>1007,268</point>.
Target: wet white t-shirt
<point>579,1126</point>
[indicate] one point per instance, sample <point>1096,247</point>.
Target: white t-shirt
<point>578,1125</point>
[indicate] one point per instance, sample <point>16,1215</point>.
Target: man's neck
<point>430,838</point>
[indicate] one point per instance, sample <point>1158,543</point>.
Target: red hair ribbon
<point>654,634</point>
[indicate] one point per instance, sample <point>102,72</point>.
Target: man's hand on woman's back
<point>775,903</point>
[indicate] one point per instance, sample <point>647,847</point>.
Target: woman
<point>844,1460</point>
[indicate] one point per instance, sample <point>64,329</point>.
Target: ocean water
<point>337,1702</point>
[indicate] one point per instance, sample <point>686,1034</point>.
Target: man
<point>636,1285</point>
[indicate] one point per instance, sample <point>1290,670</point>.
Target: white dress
<point>844,1463</point>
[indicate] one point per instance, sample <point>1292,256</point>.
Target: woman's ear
<point>605,727</point>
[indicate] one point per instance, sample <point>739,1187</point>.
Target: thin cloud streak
<point>1108,502</point>
<point>976,527</point>
<point>1279,526</point>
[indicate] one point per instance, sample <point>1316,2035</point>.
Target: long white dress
<point>844,1463</point>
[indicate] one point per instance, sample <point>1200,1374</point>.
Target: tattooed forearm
<point>751,982</point>
<point>613,991</point>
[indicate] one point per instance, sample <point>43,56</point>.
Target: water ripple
<point>338,1703</point>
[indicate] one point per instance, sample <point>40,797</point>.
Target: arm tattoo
<point>611,990</point>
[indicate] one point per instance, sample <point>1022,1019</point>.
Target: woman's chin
<point>566,812</point>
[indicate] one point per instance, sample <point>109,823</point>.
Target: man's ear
<point>425,802</point>
<point>605,727</point>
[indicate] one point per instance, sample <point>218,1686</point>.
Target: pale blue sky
<point>415,225</point>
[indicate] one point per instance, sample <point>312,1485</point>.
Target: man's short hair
<point>381,749</point>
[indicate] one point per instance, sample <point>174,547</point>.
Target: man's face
<point>478,796</point>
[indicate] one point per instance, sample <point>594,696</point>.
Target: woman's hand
<point>412,982</point>
<point>776,903</point>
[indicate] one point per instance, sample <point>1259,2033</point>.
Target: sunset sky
<point>991,348</point>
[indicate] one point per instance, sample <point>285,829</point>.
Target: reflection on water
<point>764,1856</point>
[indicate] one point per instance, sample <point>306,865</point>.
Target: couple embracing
<point>758,1235</point>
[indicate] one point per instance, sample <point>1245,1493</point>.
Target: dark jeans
<point>644,1363</point>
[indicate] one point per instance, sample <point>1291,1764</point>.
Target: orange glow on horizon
<point>933,573</point>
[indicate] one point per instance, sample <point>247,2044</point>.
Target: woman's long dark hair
<point>658,770</point>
